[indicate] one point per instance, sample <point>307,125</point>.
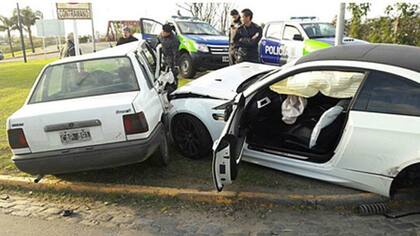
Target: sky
<point>264,10</point>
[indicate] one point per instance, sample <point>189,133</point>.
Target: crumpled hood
<point>346,40</point>
<point>223,83</point>
<point>209,39</point>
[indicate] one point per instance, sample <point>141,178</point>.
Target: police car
<point>284,41</point>
<point>202,47</point>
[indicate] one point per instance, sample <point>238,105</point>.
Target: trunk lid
<point>95,120</point>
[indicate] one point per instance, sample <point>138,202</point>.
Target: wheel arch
<point>402,174</point>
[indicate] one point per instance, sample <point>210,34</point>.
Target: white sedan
<point>93,111</point>
<point>349,115</point>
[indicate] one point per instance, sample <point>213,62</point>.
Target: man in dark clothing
<point>246,38</point>
<point>236,22</point>
<point>127,37</point>
<point>170,45</point>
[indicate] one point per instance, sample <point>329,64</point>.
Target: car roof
<point>295,22</point>
<point>116,51</point>
<point>389,54</point>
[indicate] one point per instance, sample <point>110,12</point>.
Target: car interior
<point>314,134</point>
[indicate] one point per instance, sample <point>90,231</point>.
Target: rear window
<point>85,78</point>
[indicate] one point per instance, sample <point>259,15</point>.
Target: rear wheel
<point>186,68</point>
<point>191,136</point>
<point>162,157</point>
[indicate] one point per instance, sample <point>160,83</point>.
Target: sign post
<point>75,11</point>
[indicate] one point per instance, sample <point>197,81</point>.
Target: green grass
<point>16,79</point>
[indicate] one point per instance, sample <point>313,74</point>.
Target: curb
<point>225,197</point>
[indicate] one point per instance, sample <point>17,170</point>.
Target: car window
<point>319,30</point>
<point>85,78</point>
<point>151,27</point>
<point>387,93</point>
<point>187,27</point>
<point>150,58</point>
<point>289,32</point>
<point>274,31</point>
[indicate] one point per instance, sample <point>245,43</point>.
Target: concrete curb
<point>225,197</point>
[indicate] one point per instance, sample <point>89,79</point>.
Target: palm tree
<point>7,25</point>
<point>28,17</point>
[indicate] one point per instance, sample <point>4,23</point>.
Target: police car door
<point>293,42</point>
<point>271,44</point>
<point>149,28</point>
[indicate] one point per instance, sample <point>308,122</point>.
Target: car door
<point>149,28</point>
<point>227,151</point>
<point>293,43</point>
<point>271,45</point>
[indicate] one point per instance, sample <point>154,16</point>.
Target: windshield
<point>197,28</point>
<point>319,30</point>
<point>85,78</point>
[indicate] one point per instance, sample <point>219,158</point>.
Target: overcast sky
<point>264,10</point>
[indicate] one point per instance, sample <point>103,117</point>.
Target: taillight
<point>17,138</point>
<point>135,123</point>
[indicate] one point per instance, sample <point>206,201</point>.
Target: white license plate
<point>225,59</point>
<point>75,136</point>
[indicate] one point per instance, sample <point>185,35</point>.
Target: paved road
<point>40,214</point>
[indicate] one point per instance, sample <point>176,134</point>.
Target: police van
<point>202,47</point>
<point>284,41</point>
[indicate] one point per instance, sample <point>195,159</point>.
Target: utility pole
<point>22,42</point>
<point>339,30</point>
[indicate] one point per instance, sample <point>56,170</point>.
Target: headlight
<point>202,47</point>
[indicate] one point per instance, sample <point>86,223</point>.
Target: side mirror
<point>298,37</point>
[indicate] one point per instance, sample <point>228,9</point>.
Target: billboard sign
<point>74,11</point>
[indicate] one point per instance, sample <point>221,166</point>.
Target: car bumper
<point>208,61</point>
<point>89,158</point>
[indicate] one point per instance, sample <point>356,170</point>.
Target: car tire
<point>186,67</point>
<point>191,137</point>
<point>162,156</point>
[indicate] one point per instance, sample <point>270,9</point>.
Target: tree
<point>358,12</point>
<point>214,13</point>
<point>405,18</point>
<point>7,25</point>
<point>28,17</point>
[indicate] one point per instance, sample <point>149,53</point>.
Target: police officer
<point>236,22</point>
<point>170,45</point>
<point>127,37</point>
<point>246,38</point>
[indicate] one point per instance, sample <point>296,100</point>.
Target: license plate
<point>75,136</point>
<point>225,59</point>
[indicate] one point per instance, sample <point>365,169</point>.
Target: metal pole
<point>339,30</point>
<point>76,39</point>
<point>22,42</point>
<point>93,29</point>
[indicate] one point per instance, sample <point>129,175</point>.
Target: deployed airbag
<point>336,84</point>
<point>292,108</point>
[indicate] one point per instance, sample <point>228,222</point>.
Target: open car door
<point>150,30</point>
<point>227,150</point>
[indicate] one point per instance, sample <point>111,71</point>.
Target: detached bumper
<point>208,61</point>
<point>91,157</point>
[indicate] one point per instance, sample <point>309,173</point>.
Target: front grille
<point>219,49</point>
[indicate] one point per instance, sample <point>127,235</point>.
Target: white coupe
<point>349,115</point>
<point>93,111</point>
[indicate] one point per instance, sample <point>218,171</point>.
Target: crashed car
<point>196,118</point>
<point>93,111</point>
<point>349,115</point>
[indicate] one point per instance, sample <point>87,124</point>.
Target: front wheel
<point>186,67</point>
<point>191,136</point>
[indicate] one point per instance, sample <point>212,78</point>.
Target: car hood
<point>346,40</point>
<point>223,83</point>
<point>209,39</point>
